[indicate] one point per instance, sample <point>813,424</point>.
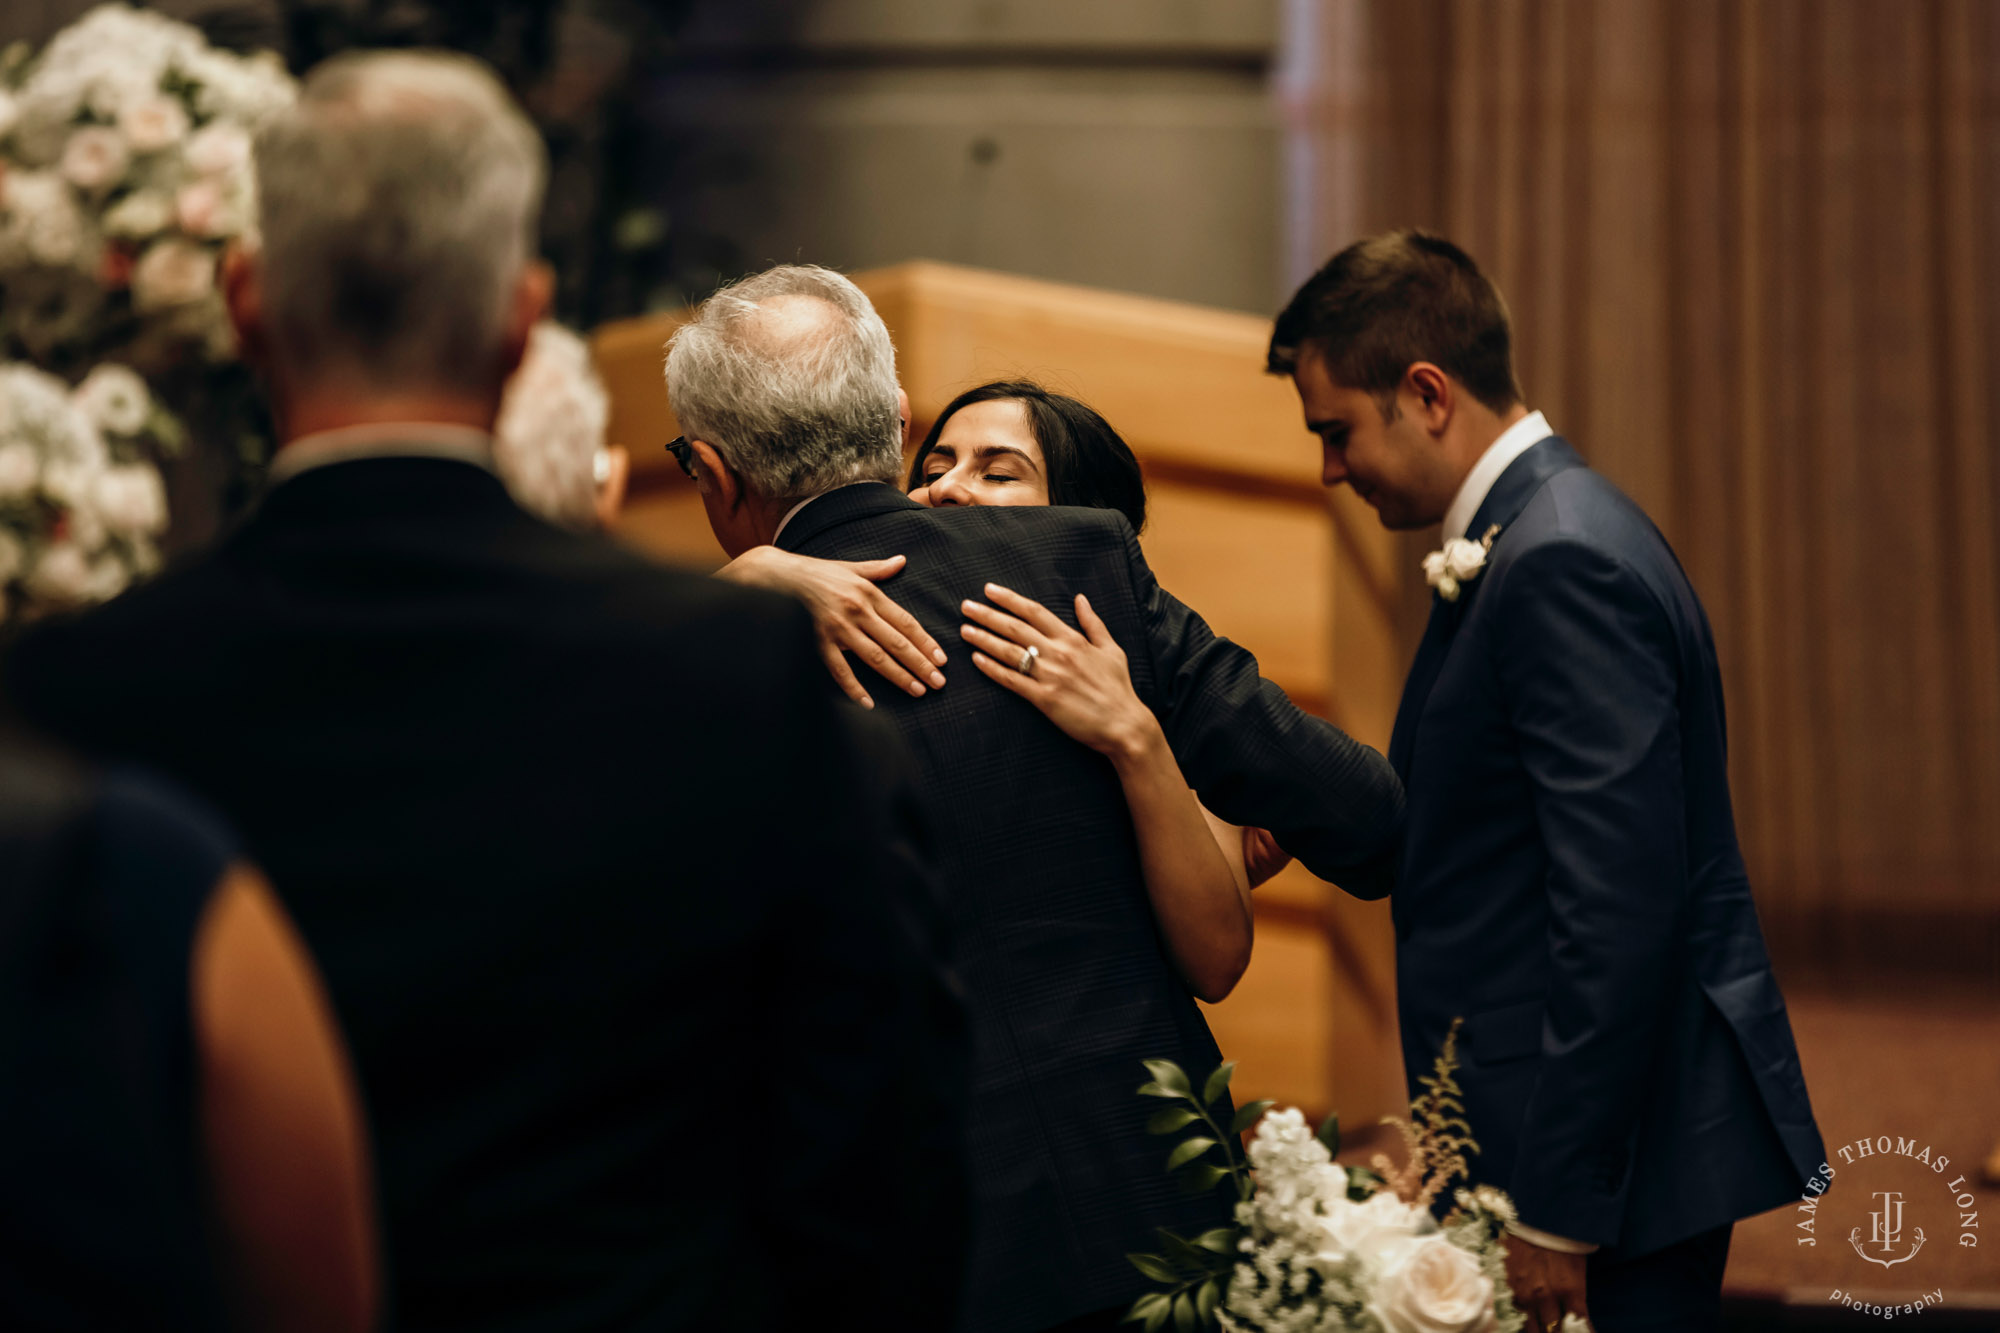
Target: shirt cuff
<point>1560,1244</point>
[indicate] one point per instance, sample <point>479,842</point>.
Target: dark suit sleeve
<point>1256,758</point>
<point>1589,666</point>
<point>865,1197</point>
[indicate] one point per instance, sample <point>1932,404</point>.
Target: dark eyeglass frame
<point>683,453</point>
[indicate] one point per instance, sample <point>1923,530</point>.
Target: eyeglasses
<point>683,453</point>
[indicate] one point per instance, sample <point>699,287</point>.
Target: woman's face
<point>986,455</point>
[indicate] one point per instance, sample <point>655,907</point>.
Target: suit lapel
<point>1509,496</point>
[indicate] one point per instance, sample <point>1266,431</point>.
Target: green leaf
<point>1206,1298</point>
<point>1183,1254</point>
<point>1159,1316</point>
<point>1329,1134</point>
<point>1169,1076</point>
<point>1154,1266</point>
<point>1221,1240</point>
<point>1145,1305</point>
<point>1170,1120</point>
<point>1203,1176</point>
<point>1188,1151</point>
<point>1155,1090</point>
<point>1185,1319</point>
<point>1246,1116</point>
<point>1218,1082</point>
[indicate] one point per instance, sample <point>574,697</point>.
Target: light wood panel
<point>1239,528</point>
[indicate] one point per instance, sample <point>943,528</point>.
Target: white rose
<point>218,148</point>
<point>12,556</point>
<point>115,398</point>
<point>1368,1230</point>
<point>68,482</point>
<point>1435,568</point>
<point>154,123</point>
<point>131,500</point>
<point>205,208</point>
<point>171,273</point>
<point>62,575</point>
<point>1434,1287</point>
<point>20,469</point>
<point>95,158</point>
<point>1463,559</point>
<point>10,112</point>
<point>141,214</point>
<point>43,213</point>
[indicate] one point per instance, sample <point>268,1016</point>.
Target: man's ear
<point>243,296</point>
<point>532,291</point>
<point>721,488</point>
<point>903,414</point>
<point>1433,394</point>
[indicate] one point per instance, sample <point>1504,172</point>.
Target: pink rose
<point>95,158</point>
<point>171,273</point>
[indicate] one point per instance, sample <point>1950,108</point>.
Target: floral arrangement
<point>80,502</point>
<point>125,167</point>
<point>1321,1248</point>
<point>548,444</point>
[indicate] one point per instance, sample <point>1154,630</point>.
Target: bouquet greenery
<point>1321,1248</point>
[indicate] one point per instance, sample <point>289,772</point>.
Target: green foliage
<point>1194,1273</point>
<point>1329,1134</point>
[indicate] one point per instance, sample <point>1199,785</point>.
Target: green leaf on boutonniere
<point>1206,1299</point>
<point>1145,1305</point>
<point>1170,1076</point>
<point>1247,1116</point>
<point>1218,1082</point>
<point>1185,1318</point>
<point>1188,1151</point>
<point>1203,1176</point>
<point>1170,1120</point>
<point>1155,1090</point>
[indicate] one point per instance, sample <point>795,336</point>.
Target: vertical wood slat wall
<point>1239,528</point>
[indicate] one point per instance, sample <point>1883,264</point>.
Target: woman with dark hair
<point>1012,442</point>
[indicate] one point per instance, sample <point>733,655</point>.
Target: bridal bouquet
<point>1320,1248</point>
<point>80,504</point>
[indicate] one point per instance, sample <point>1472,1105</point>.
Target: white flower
<point>218,148</point>
<point>95,158</point>
<point>1457,563</point>
<point>1434,1287</point>
<point>12,556</point>
<point>20,470</point>
<point>42,212</point>
<point>63,574</point>
<point>152,124</point>
<point>131,500</point>
<point>83,526</point>
<point>207,208</point>
<point>172,272</point>
<point>140,214</point>
<point>1369,1231</point>
<point>551,428</point>
<point>115,398</point>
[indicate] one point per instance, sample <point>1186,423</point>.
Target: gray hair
<point>398,200</point>
<point>790,376</point>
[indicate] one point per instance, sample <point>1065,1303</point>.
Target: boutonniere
<point>1458,563</point>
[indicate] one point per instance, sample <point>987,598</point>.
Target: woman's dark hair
<point>1086,462</point>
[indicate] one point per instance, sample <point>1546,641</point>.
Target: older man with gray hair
<point>596,867</point>
<point>785,384</point>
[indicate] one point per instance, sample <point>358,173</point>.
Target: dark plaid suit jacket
<point>635,960</point>
<point>1068,983</point>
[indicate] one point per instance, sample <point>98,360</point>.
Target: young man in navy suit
<point>1570,883</point>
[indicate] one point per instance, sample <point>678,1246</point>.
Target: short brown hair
<point>1389,301</point>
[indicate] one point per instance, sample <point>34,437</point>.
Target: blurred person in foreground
<point>786,386</point>
<point>628,927</point>
<point>1570,882</point>
<point>180,1139</point>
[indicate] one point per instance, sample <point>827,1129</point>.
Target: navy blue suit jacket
<point>1571,883</point>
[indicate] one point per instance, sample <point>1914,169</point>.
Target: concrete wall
<point>1127,144</point>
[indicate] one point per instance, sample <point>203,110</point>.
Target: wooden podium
<point>1240,529</point>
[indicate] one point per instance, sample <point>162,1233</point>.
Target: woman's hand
<point>850,614</point>
<point>1079,681</point>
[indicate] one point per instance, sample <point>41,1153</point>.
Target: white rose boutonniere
<point>1458,563</point>
<point>1435,1287</point>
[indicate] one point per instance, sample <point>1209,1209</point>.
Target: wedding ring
<point>1026,666</point>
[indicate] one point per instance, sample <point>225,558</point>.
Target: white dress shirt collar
<point>384,439</point>
<point>1516,440</point>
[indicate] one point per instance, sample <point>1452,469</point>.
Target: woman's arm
<point>850,614</point>
<point>1080,681</point>
<point>281,1123</point>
